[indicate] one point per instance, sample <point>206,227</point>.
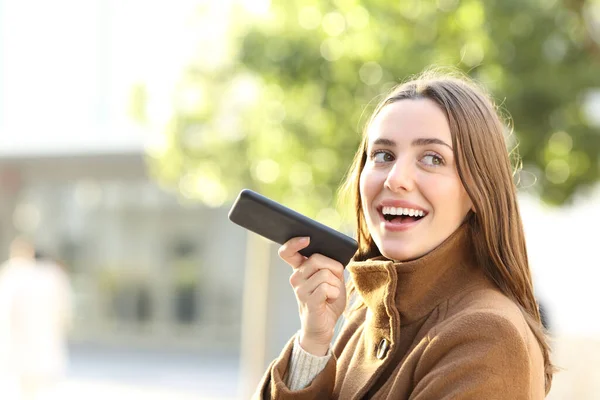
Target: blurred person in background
<point>444,304</point>
<point>35,313</point>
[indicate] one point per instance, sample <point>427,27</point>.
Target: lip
<point>395,227</point>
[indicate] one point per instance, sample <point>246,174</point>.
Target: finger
<point>304,272</point>
<point>324,293</point>
<point>324,262</point>
<point>312,265</point>
<point>289,251</point>
<point>306,289</point>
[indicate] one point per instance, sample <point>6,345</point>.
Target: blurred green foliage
<point>284,114</point>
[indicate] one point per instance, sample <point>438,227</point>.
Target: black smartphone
<point>278,223</point>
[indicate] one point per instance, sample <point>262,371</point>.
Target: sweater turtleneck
<point>402,292</point>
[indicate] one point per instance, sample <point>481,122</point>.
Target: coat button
<point>383,348</point>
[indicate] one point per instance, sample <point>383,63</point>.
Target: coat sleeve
<point>477,356</point>
<point>272,385</point>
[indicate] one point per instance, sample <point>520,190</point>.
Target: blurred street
<point>123,373</point>
<point>109,372</point>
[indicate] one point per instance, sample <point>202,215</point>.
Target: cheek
<point>364,192</point>
<point>369,185</point>
<point>463,202</point>
<point>448,194</point>
<point>466,201</point>
<point>368,192</point>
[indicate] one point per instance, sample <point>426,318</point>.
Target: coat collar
<point>408,291</point>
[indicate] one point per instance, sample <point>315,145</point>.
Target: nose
<point>401,177</point>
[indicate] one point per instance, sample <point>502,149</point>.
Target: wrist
<point>317,348</point>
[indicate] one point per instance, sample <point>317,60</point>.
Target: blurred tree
<point>283,113</point>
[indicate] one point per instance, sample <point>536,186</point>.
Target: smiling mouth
<point>402,215</point>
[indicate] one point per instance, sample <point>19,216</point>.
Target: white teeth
<point>403,211</point>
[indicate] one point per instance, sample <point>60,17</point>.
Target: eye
<point>433,160</point>
<point>381,156</point>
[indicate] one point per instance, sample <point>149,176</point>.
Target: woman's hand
<point>318,282</point>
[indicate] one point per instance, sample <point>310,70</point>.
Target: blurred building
<point>145,266</point>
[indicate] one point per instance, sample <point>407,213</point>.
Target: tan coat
<point>434,328</point>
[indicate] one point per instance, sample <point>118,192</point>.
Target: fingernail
<point>304,240</point>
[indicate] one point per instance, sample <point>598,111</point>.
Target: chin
<point>401,254</point>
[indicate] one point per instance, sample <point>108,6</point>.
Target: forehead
<point>409,119</point>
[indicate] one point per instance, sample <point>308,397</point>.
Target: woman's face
<point>412,197</point>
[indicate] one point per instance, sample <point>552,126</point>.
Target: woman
<point>444,300</point>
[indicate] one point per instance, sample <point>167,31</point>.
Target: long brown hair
<point>484,168</point>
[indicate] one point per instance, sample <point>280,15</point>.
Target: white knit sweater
<point>304,367</point>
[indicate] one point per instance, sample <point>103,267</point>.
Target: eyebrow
<point>416,142</point>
